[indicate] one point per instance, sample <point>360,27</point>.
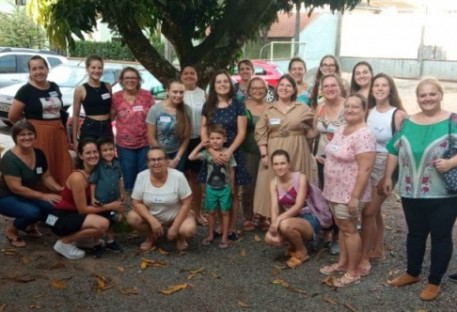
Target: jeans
<point>435,216</point>
<point>133,161</point>
<point>95,129</point>
<point>25,211</point>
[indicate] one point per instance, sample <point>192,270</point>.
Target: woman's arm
<point>143,211</point>
<point>16,187</point>
<point>274,209</point>
<point>152,132</point>
<point>182,215</point>
<point>181,151</point>
<point>50,183</point>
<point>365,163</point>
<point>77,99</point>
<point>16,110</point>
<point>242,123</point>
<point>391,164</point>
<point>204,130</point>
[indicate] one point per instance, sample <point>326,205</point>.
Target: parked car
<point>13,64</point>
<point>267,71</point>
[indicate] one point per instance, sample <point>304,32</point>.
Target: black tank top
<point>97,100</point>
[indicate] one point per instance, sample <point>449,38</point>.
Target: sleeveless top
<point>97,100</point>
<point>326,130</point>
<point>380,124</point>
<point>67,202</point>
<point>288,199</point>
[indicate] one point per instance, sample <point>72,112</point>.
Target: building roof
<point>284,27</point>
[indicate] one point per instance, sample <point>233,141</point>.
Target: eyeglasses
<point>257,89</point>
<point>158,159</point>
<point>130,78</point>
<point>328,65</point>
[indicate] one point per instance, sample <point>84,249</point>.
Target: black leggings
<point>435,216</point>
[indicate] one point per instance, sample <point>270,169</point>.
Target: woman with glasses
<point>161,198</point>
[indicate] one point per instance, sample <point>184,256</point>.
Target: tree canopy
<point>205,33</point>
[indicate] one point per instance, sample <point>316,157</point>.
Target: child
<point>219,183</point>
<point>107,188</point>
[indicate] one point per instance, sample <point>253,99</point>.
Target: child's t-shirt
<point>218,175</point>
<point>106,179</point>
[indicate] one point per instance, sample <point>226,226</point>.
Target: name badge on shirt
<point>331,128</point>
<point>51,220</point>
<point>53,94</point>
<point>138,108</point>
<point>275,121</point>
<point>106,96</point>
<point>157,199</point>
<point>334,148</point>
<point>39,170</point>
<point>165,118</point>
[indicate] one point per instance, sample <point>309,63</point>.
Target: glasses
<point>257,89</point>
<point>328,65</point>
<point>158,159</point>
<point>130,78</point>
<point>330,86</point>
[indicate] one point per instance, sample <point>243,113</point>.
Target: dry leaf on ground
<point>163,252</point>
<point>193,273</point>
<point>35,306</point>
<point>120,268</point>
<point>257,238</point>
<point>243,252</point>
<point>26,260</point>
<point>145,263</point>
<point>330,300</point>
<point>243,304</point>
<point>129,291</point>
<point>328,280</point>
<point>59,284</point>
<point>2,307</point>
<point>173,288</point>
<point>19,279</point>
<point>102,283</point>
<point>350,307</point>
<point>215,275</point>
<point>10,252</point>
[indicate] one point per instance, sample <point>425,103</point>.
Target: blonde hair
<point>432,81</point>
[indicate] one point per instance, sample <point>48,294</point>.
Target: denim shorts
<point>95,129</point>
<point>313,221</point>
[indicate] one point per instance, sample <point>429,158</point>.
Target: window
<point>53,61</point>
<point>22,63</point>
<point>7,64</point>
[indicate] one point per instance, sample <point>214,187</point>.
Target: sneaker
<point>114,247</point>
<point>98,251</point>
<point>453,277</point>
<point>69,251</point>
<point>233,236</point>
<point>335,248</point>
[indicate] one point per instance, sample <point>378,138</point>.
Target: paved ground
<point>248,276</point>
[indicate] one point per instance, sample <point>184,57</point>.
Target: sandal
<point>346,280</point>
<point>248,225</point>
<point>207,242</point>
<point>182,245</point>
<point>296,260</point>
<point>364,270</point>
<point>147,245</point>
<point>332,269</point>
<point>15,241</point>
<point>224,244</point>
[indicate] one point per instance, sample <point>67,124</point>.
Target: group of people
<point>241,148</point>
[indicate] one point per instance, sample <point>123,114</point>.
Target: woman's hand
<point>387,186</point>
<point>218,157</point>
<point>353,206</point>
<point>320,160</point>
<point>51,198</point>
<point>157,228</point>
<point>172,232</point>
<point>116,205</point>
<point>227,155</point>
<point>173,163</point>
<point>443,165</point>
<point>264,161</point>
<point>274,227</point>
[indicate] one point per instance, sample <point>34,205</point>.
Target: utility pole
<point>296,48</point>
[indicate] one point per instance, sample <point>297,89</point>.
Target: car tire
<point>270,97</point>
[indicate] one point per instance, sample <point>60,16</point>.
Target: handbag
<point>450,177</point>
<point>319,206</point>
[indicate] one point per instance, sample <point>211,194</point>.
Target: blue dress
<point>228,117</point>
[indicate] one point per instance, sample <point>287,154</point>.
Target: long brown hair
<point>211,103</point>
<point>394,98</point>
<point>318,77</point>
<point>183,124</point>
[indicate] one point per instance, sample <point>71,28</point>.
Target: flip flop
<point>181,246</point>
<point>207,242</point>
<point>296,260</point>
<point>16,241</point>
<point>224,245</point>
<point>146,246</point>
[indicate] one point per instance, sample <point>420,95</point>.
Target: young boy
<point>107,188</point>
<point>219,182</point>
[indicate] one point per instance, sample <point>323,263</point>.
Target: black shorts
<point>68,222</point>
<point>193,165</point>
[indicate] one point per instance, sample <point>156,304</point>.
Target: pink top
<point>288,199</point>
<point>340,170</point>
<point>131,119</point>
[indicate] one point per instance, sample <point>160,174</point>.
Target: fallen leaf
<point>163,252</point>
<point>350,307</point>
<point>319,253</point>
<point>145,263</point>
<point>59,284</point>
<point>35,306</point>
<point>2,307</point>
<point>330,300</point>
<point>102,283</point>
<point>195,272</point>
<point>328,280</point>
<point>10,252</point>
<point>280,266</point>
<point>281,282</point>
<point>37,296</point>
<point>58,265</point>
<point>173,288</point>
<point>216,276</point>
<point>243,252</point>
<point>120,268</point>
<point>276,271</point>
<point>243,304</point>
<point>257,238</point>
<point>129,291</point>
<point>297,290</point>
<point>26,260</point>
<point>19,279</point>
<point>420,310</point>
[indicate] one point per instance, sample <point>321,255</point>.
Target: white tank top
<point>195,99</point>
<point>381,126</point>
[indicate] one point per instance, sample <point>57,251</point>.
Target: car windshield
<point>149,81</point>
<point>67,76</point>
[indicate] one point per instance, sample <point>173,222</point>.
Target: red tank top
<point>67,202</point>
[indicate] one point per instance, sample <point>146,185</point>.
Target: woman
<point>162,198</point>
<point>168,125</point>
<point>23,168</point>
<point>417,148</point>
<point>223,108</point>
<point>291,220</point>
<point>95,98</point>
<point>283,125</point>
<point>194,97</point>
<point>73,218</point>
<point>297,69</point>
<point>129,108</point>
<point>329,117</point>
<point>350,157</point>
<point>385,116</point>
<point>328,65</point>
<point>245,71</point>
<point>40,102</point>
<point>362,73</point>
<point>255,106</point>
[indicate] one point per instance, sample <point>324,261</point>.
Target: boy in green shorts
<point>219,181</point>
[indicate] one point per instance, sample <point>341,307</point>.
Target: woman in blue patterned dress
<point>223,108</point>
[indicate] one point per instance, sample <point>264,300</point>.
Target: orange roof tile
<point>284,27</point>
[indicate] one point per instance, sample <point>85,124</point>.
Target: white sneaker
<point>69,251</point>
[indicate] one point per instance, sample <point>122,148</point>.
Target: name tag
<point>334,148</point>
<point>158,200</point>
<point>165,118</point>
<point>53,94</point>
<point>51,220</point>
<point>275,121</point>
<point>39,170</point>
<point>331,128</point>
<point>138,108</point>
<point>106,96</point>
